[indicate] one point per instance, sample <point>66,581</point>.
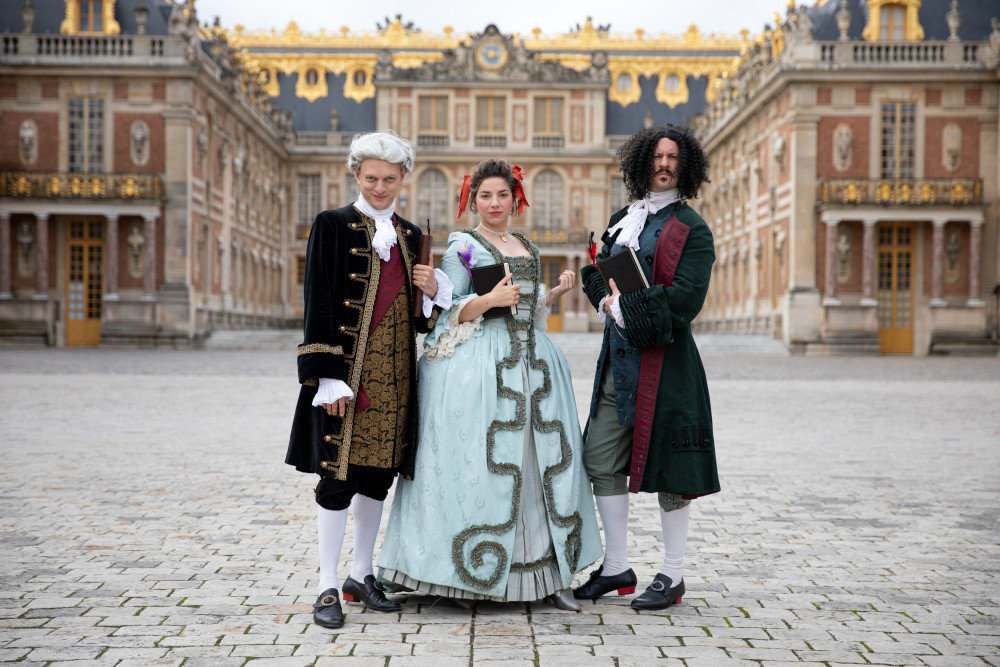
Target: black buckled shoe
<point>370,593</point>
<point>598,585</point>
<point>660,594</point>
<point>329,613</point>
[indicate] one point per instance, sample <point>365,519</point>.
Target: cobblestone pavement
<point>147,518</point>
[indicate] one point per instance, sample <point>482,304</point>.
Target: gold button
<point>352,276</point>
<point>346,302</point>
<point>343,329</point>
<point>328,438</point>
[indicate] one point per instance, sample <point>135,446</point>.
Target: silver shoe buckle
<point>657,586</point>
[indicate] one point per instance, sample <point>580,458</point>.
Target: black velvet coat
<point>341,282</point>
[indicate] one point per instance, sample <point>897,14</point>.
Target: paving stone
<point>840,537</point>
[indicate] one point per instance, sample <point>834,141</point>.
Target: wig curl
<point>386,146</point>
<point>635,158</point>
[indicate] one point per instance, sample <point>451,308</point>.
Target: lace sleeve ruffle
<point>457,333</point>
<point>541,315</point>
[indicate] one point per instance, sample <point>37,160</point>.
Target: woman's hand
<point>566,281</point>
<point>504,294</point>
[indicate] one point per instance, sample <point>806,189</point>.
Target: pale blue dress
<point>496,509</point>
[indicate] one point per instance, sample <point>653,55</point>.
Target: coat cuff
<point>639,329</point>
<point>320,360</point>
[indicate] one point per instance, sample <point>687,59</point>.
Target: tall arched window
<point>432,198</point>
<point>546,199</point>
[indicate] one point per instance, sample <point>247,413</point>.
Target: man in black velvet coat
<point>355,421</point>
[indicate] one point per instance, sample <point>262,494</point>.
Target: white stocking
<point>614,518</point>
<point>330,525</point>
<point>675,532</point>
<point>367,516</point>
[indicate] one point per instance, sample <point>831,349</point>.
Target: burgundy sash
<point>668,253</point>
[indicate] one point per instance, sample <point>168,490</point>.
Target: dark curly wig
<point>635,158</point>
<point>491,169</point>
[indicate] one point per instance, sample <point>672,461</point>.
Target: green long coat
<point>681,456</point>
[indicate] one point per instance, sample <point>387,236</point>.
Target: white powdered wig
<point>386,146</point>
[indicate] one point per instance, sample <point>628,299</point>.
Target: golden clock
<point>491,54</point>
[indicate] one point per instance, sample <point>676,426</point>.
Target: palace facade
<point>159,175</point>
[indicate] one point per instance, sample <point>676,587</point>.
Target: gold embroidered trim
<point>311,383</point>
<point>360,346</point>
<point>314,348</point>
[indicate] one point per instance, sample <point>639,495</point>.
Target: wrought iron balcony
<point>40,185</point>
<point>902,192</point>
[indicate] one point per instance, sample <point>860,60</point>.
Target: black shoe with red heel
<point>660,594</point>
<point>370,593</point>
<point>598,585</point>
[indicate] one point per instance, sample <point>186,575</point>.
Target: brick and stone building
<point>159,175</point>
<point>854,159</point>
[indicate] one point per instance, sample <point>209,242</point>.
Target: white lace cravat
<point>632,222</point>
<point>385,235</point>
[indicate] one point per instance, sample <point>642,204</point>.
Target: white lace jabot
<point>632,222</point>
<point>385,235</point>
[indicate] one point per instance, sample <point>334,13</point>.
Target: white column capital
<point>869,222</point>
<point>976,222</point>
<point>940,222</point>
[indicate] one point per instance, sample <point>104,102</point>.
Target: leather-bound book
<point>423,257</point>
<point>625,269</point>
<point>484,279</point>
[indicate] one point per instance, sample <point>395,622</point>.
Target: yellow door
<point>551,270</point>
<point>895,287</point>
<point>84,285</point>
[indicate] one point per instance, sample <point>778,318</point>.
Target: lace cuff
<point>541,313</point>
<point>443,296</point>
<point>616,312</point>
<point>457,333</point>
<point>331,391</point>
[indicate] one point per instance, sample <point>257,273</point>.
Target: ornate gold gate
<point>895,287</point>
<point>84,284</point>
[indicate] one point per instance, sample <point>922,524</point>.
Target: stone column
<point>42,256</point>
<point>868,265</point>
<point>830,288</point>
<point>937,266</point>
<point>975,248</point>
<point>5,292</point>
<point>149,261</point>
<point>111,250</point>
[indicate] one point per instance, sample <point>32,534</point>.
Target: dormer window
<point>892,23</point>
<point>90,17</point>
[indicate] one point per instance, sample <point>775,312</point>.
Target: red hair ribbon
<point>463,198</point>
<point>522,201</point>
<point>592,250</point>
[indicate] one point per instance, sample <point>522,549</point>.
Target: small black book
<point>484,279</point>
<point>624,267</point>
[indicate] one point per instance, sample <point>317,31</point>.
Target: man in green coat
<point>650,421</point>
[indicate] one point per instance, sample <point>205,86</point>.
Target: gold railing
<point>37,185</point>
<point>903,192</point>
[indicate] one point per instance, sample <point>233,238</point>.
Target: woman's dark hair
<point>635,158</point>
<point>491,169</point>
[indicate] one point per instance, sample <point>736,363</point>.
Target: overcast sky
<point>521,16</point>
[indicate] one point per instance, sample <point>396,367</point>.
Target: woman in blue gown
<point>499,507</point>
